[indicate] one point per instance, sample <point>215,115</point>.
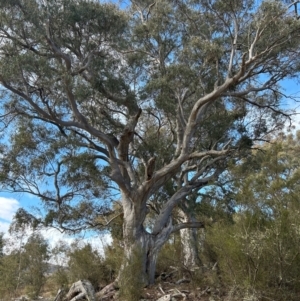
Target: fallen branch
<point>173,293</point>
<point>184,280</point>
<point>81,289</point>
<point>106,292</point>
<point>60,295</point>
<point>165,298</point>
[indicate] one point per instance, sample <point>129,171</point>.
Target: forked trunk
<point>141,247</point>
<point>141,256</point>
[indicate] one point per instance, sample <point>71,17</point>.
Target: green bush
<point>169,256</point>
<point>131,282</point>
<point>86,263</point>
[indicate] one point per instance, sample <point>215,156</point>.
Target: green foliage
<point>86,263</point>
<point>114,255</point>
<point>60,278</point>
<point>259,251</point>
<point>169,256</point>
<point>9,274</point>
<point>131,281</point>
<point>25,267</point>
<point>35,259</point>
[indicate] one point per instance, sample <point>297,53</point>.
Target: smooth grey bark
<point>139,241</point>
<point>189,243</point>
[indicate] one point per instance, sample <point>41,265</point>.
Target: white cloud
<point>296,120</point>
<point>98,242</point>
<point>8,208</point>
<point>4,227</point>
<point>54,235</point>
<point>292,125</point>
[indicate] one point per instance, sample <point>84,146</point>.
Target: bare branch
<point>188,226</point>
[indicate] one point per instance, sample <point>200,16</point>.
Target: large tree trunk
<point>142,254</point>
<point>141,245</point>
<point>151,263</point>
<point>189,243</point>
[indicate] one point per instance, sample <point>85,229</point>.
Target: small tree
<point>98,98</point>
<point>86,263</point>
<point>9,280</point>
<point>24,267</point>
<point>59,256</point>
<point>8,270</point>
<point>35,260</point>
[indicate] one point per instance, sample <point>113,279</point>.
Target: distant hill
<point>52,268</point>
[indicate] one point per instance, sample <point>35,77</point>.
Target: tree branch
<point>188,225</point>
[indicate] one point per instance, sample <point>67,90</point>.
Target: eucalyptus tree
<point>35,260</point>
<point>99,99</point>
